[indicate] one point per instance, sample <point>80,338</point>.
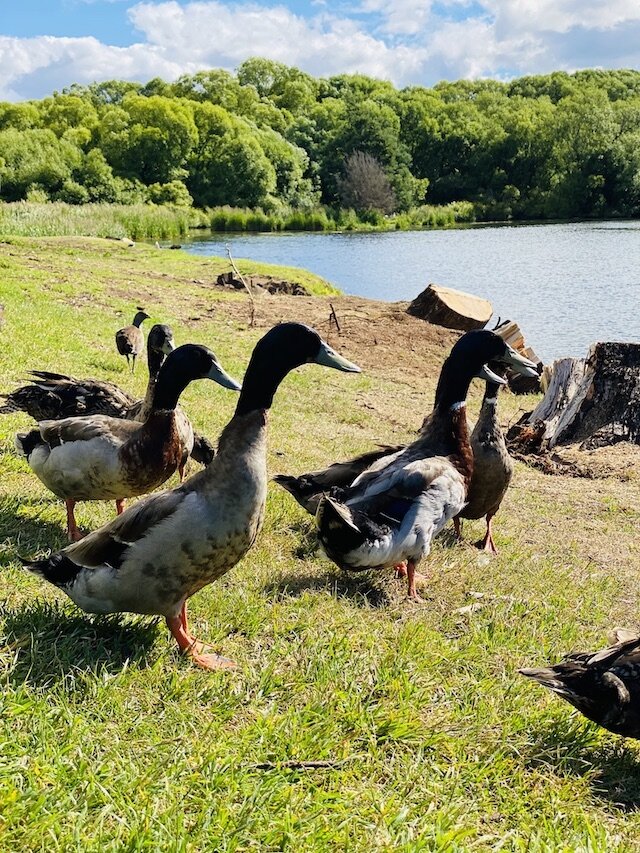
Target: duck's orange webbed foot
<point>412,578</point>
<point>74,533</point>
<point>194,648</point>
<point>487,544</point>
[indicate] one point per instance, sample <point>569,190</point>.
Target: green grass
<point>162,222</point>
<point>110,741</point>
<point>58,219</point>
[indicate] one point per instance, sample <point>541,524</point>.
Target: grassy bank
<point>148,221</point>
<point>110,741</point>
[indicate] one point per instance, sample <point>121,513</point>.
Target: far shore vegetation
<point>271,148</point>
<point>161,222</point>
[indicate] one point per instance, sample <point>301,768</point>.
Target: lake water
<point>567,285</point>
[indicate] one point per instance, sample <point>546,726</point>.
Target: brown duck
<point>604,686</point>
<point>102,458</point>
<point>492,467</point>
<point>130,339</point>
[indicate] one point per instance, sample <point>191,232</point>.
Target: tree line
<point>545,146</point>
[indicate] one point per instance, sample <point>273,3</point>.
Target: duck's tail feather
<point>26,442</point>
<point>547,677</point>
<point>304,489</point>
<point>8,407</point>
<point>58,569</point>
<point>337,528</point>
<point>49,376</point>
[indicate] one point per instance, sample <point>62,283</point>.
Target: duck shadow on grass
<point>23,526</point>
<point>575,747</point>
<point>365,589</point>
<point>51,645</point>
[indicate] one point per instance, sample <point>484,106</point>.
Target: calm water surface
<point>567,285</point>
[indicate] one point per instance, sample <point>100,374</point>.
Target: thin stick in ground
<point>252,316</point>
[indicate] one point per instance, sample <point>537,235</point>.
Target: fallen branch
<point>252,316</point>
<point>333,318</point>
<point>298,765</point>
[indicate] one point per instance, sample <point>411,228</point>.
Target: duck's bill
<point>222,378</point>
<point>488,375</point>
<point>518,363</point>
<point>328,357</point>
<point>168,346</point>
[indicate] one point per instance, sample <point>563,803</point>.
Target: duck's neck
<point>155,360</point>
<point>446,431</point>
<point>462,453</point>
<point>260,383</point>
<point>453,386</point>
<point>489,412</point>
<point>168,387</point>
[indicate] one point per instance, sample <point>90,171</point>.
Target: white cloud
<point>33,68</point>
<point>213,33</point>
<point>408,41</point>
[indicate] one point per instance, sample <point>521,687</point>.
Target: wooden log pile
<point>511,333</point>
<point>594,401</point>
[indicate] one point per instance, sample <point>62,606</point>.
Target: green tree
<point>35,158</point>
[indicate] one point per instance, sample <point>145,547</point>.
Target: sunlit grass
<point>429,739</point>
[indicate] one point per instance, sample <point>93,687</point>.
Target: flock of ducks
<point>380,510</point>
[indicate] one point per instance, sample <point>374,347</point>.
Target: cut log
<point>510,332</point>
<point>450,308</point>
<point>595,401</point>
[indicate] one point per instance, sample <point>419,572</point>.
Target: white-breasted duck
<point>389,514</point>
<point>604,685</point>
<point>158,553</point>
<point>101,458</point>
<point>130,339</point>
<point>53,396</point>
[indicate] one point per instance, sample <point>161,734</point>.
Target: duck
<point>101,458</point>
<point>603,685</point>
<point>130,339</point>
<point>54,396</point>
<point>492,466</point>
<point>389,514</point>
<point>163,549</point>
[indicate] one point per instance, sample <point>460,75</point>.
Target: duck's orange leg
<point>412,576</point>
<point>401,569</point>
<point>189,645</point>
<point>73,531</point>
<point>120,506</point>
<point>457,528</point>
<point>487,544</point>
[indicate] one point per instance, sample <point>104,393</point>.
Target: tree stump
<point>450,308</point>
<point>595,401</point>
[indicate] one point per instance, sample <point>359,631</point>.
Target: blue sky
<point>45,46</point>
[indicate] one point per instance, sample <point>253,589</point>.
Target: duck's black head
<point>140,317</point>
<point>160,339</point>
<point>184,365</point>
<point>160,344</point>
<point>281,350</point>
<point>469,358</point>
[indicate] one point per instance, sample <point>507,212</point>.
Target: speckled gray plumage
<point>173,543</point>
